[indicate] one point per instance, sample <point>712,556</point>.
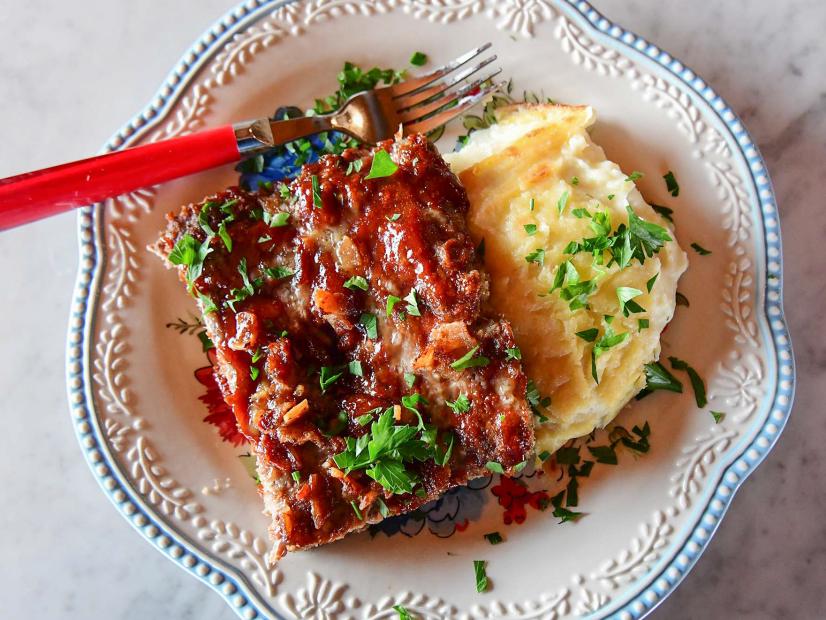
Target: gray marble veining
<point>767,58</point>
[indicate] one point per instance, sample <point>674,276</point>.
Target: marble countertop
<point>768,559</point>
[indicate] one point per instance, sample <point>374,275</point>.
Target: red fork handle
<point>35,195</point>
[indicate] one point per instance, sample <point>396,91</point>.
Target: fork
<point>416,105</point>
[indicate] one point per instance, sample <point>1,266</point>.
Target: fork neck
<point>255,137</point>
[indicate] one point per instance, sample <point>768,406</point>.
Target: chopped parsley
<point>494,538</point>
<point>189,252</point>
<point>646,237</point>
<point>608,341</point>
<point>536,400</point>
<point>664,212</point>
<point>284,191</point>
<point>572,290</point>
<point>565,274</point>
<point>316,192</point>
<point>412,401</point>
<point>581,213</point>
<point>329,375</point>
<point>657,377</point>
<point>254,372</point>
<point>207,304</point>
<point>530,229</point>
<point>441,457</point>
<point>671,184</point>
<point>203,218</point>
<point>537,256</point>
<point>393,218</point>
<point>642,324</point>
<point>392,300</point>
<point>224,235</point>
<point>697,383</point>
<point>604,454</point>
<point>468,361</point>
<point>650,284</point>
<point>636,175</point>
<point>356,282</point>
<point>514,353</point>
<point>400,609</point>
<point>369,322</point>
<point>412,304</point>
<point>354,166</point>
<point>600,223</point>
<point>278,272</point>
<point>700,249</point>
<point>563,200</point>
<point>409,379</point>
<point>356,510</point>
<point>639,445</point>
<point>276,220</point>
<point>588,335</point>
<point>418,59</point>
<point>384,511</point>
<point>353,79</point>
<point>544,455</point>
<point>296,476</point>
<point>495,467</point>
<point>577,293</point>
<point>248,290</point>
<point>481,575</point>
<point>384,452</point>
<point>532,204</point>
<point>382,166</point>
<point>561,513</point>
<point>460,405</point>
<point>364,420</point>
<point>575,181</point>
<point>625,295</point>
<point>718,416</point>
<point>567,456</point>
<point>355,368</point>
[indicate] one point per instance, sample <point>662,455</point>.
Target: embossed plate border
<point>651,589</point>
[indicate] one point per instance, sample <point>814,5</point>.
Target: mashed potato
<point>518,173</point>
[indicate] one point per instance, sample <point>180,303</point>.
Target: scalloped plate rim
<point>650,591</point>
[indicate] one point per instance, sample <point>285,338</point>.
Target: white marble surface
<point>68,554</point>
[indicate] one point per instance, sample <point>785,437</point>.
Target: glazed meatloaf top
<point>354,343</point>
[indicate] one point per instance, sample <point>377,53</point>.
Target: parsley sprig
<point>469,361</point>
<point>577,463</point>
<point>248,288</point>
<point>639,239</point>
<point>608,341</point>
<point>385,452</point>
<point>189,252</point>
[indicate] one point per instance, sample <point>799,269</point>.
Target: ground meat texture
<point>282,312</point>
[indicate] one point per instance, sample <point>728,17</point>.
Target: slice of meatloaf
<point>354,343</point>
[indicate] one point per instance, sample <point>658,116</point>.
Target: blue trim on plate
<point>219,576</point>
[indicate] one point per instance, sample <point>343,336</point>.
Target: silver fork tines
<point>408,86</point>
<point>432,122</point>
<point>419,104</point>
<point>423,95</point>
<point>419,111</point>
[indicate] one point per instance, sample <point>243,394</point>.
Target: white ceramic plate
<point>134,388</point>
